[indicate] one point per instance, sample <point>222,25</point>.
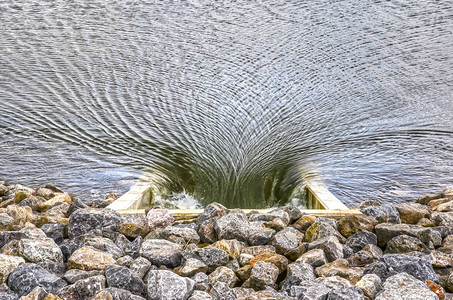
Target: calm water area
<point>229,101</point>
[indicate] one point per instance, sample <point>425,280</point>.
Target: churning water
<point>230,101</point>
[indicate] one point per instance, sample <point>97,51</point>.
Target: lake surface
<point>235,102</point>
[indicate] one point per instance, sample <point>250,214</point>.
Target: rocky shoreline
<point>54,246</point>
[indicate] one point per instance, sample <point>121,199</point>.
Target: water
<point>235,102</point>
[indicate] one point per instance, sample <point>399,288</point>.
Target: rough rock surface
<point>164,284</point>
<point>404,286</point>
<point>93,220</point>
<point>88,259</point>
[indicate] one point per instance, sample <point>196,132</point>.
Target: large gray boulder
<point>360,239</point>
<point>383,214</point>
<point>163,284</point>
<point>28,276</point>
<point>420,268</point>
<point>93,220</point>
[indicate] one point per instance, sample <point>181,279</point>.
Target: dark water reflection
<point>235,102</point>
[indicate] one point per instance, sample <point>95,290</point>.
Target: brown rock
<point>411,213</point>
<point>340,267</point>
<point>232,247</point>
<point>427,198</point>
<point>441,205</point>
<point>133,225</point>
<point>436,289</point>
<point>426,222</point>
<point>88,259</point>
<point>304,222</point>
<point>63,198</point>
<point>7,264</point>
<point>351,224</point>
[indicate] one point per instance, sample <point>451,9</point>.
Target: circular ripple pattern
<point>235,102</point>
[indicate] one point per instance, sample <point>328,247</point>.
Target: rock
<point>159,218</point>
<point>201,281</point>
<point>360,259</point>
<point>309,291</point>
<point>88,259</point>
<point>360,239</point>
<point>368,203</point>
<point>223,274</point>
<point>221,291</point>
<point>140,266</point>
<point>404,244</point>
<point>404,286</point>
<point>244,272</point>
<point>333,282</point>
<point>6,222</point>
<point>261,237</point>
<point>55,231</point>
<point>112,293</point>
<point>104,245</point>
<point>162,252</point>
<point>200,295</point>
<point>289,242</point>
<point>123,278</point>
<point>332,248</point>
<point>263,274</point>
<point>75,205</point>
<point>125,261</point>
<point>298,273</point>
<point>411,213</point>
<point>206,231</point>
<point>352,224</point>
<point>213,210</point>
<point>256,250</point>
<point>440,260</point>
<point>8,236</point>
<point>345,294</point>
<point>430,235</point>
<point>7,264</point>
<point>21,215</point>
<point>340,267</point>
<point>180,235</point>
<point>212,257</point>
<point>418,267</point>
<point>386,231</point>
<point>93,220</point>
<point>38,293</point>
<point>164,284</point>
<point>280,261</point>
<point>232,247</point>
<point>293,212</point>
<point>192,266</point>
<point>383,214</point>
<point>44,192</point>
<point>58,269</point>
<point>68,247</point>
<point>370,285</point>
<point>314,257</point>
<point>74,275</point>
<point>441,205</point>
<point>232,226</point>
<point>54,201</point>
<point>427,198</point>
<point>304,222</point>
<point>83,288</point>
<point>319,231</point>
<point>133,249</point>
<point>268,217</point>
<point>28,276</point>
<point>436,289</point>
<point>133,225</point>
<point>39,250</point>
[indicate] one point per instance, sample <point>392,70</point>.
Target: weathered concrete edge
<point>140,195</point>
